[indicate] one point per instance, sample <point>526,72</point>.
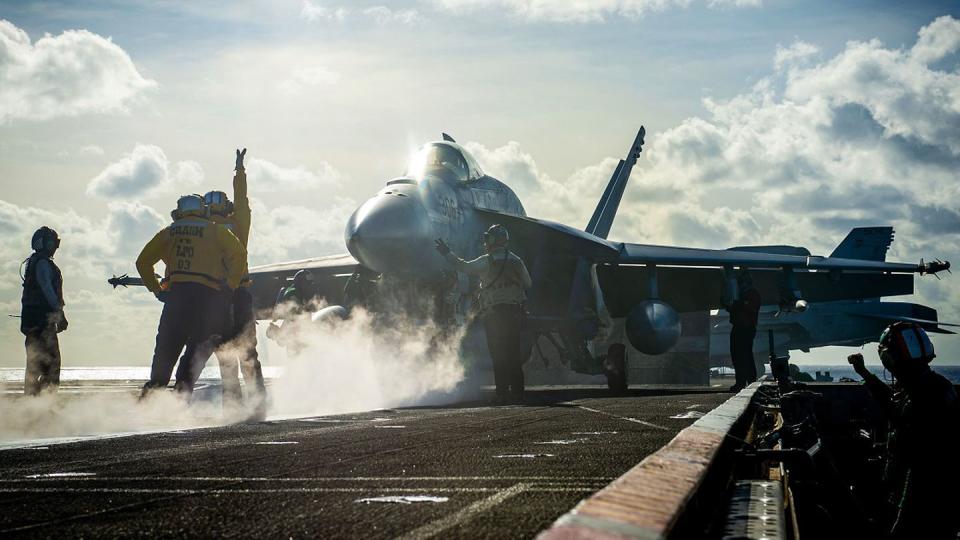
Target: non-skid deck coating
<point>458,471</point>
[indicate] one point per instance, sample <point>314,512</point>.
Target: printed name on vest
<point>188,229</point>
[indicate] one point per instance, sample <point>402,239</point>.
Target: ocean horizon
<point>212,373</point>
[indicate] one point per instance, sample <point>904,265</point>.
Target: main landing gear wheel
<point>615,368</point>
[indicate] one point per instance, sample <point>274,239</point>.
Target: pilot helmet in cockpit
<point>437,159</point>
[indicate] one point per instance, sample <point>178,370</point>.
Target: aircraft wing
<point>552,237</point>
<point>678,256</point>
<point>930,325</point>
<point>329,277</point>
<point>559,238</point>
<point>700,289</point>
<point>692,279</point>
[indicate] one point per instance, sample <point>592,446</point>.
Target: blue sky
<point>331,97</point>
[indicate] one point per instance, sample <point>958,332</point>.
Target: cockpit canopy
<point>445,159</point>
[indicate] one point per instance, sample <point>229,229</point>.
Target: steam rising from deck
<point>361,363</point>
<point>357,364</point>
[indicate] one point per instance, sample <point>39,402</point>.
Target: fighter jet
<point>580,277</point>
<point>849,323</point>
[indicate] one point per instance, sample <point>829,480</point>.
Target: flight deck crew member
<point>294,298</point>
<point>41,315</point>
<point>205,263</point>
<point>744,314</point>
<point>923,440</point>
<point>240,346</point>
<point>504,281</point>
<point>290,310</point>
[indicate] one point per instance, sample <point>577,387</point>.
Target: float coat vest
<point>33,296</point>
<point>194,250</point>
<point>503,276</point>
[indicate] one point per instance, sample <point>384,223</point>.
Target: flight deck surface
<point>467,470</point>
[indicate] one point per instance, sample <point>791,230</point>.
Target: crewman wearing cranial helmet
<point>204,265</point>
<point>923,439</point>
<point>239,348</point>
<point>41,315</point>
<point>504,280</point>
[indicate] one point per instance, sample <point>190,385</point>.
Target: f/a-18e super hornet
<point>580,277</point>
<point>846,322</point>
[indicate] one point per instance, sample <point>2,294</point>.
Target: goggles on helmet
<point>218,203</point>
<point>189,205</point>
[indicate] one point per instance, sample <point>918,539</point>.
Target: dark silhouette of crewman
<point>291,311</point>
<point>41,315</point>
<point>923,440</point>
<point>744,314</point>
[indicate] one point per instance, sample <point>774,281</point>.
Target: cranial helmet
<point>45,239</point>
<point>908,341</point>
<point>218,203</point>
<point>496,236</point>
<point>189,205</point>
<point>302,277</point>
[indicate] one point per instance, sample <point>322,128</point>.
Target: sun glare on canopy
<point>443,159</point>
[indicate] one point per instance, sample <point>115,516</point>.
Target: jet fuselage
<point>394,231</point>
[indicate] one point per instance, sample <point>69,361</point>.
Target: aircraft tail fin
<point>866,244</point>
<point>602,219</point>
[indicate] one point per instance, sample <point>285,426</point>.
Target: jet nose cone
<point>389,233</point>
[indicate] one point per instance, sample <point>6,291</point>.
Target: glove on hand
<point>442,247</point>
<point>61,322</point>
<point>240,156</point>
<point>856,360</point>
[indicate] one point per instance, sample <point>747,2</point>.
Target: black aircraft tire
<point>616,381</point>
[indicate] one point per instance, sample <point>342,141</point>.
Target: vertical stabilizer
<point>866,244</point>
<point>606,210</point>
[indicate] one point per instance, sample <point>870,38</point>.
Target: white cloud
<point>145,170</point>
<point>91,150</point>
<point>937,40</point>
<point>903,95</point>
<point>314,11</point>
<point>796,52</point>
<point>294,232</point>
<point>76,72</point>
<point>577,12</point>
<point>272,177</point>
<point>383,15</point>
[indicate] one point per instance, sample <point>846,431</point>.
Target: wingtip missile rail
<point>933,267</point>
<point>126,281</point>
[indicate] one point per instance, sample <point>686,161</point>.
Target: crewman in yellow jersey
<point>205,263</point>
<point>240,346</point>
